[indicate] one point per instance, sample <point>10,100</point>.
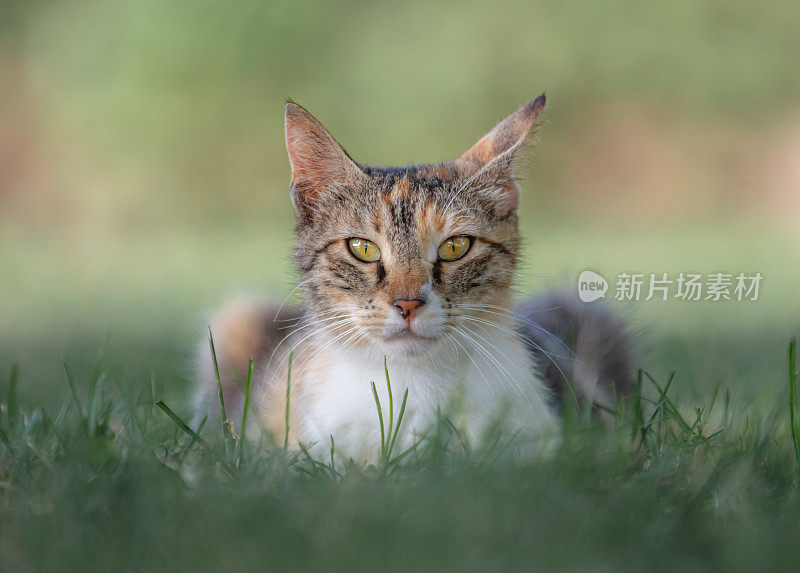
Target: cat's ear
<point>496,152</point>
<point>319,164</point>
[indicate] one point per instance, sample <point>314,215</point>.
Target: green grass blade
<point>399,422</point>
<point>391,402</point>
<point>604,408</point>
<point>318,465</point>
<point>247,390</point>
<point>380,418</point>
<point>667,406</point>
<point>793,398</point>
<point>199,431</point>
<point>226,429</point>
<point>94,401</point>
<point>638,409</point>
<point>153,393</point>
<point>72,389</point>
<point>400,457</point>
<point>286,412</point>
<point>181,424</point>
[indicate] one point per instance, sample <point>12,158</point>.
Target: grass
<point>390,431</point>
<point>115,479</point>
<point>794,415</point>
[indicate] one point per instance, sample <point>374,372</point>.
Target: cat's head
<point>402,259</point>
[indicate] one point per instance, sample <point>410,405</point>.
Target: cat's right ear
<point>319,164</point>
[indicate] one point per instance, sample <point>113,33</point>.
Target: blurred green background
<point>143,176</point>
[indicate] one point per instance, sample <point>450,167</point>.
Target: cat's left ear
<point>496,151</point>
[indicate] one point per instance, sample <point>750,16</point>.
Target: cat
<point>411,268</point>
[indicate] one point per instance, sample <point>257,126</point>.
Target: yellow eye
<point>454,248</point>
<point>364,250</point>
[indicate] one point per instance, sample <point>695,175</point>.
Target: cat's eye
<point>364,250</point>
<point>454,248</point>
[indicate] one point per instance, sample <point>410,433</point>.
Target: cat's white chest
<point>341,403</point>
<point>472,388</point>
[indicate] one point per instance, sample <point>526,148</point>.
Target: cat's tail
<point>585,350</point>
<point>242,329</point>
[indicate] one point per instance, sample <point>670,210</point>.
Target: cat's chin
<point>407,342</point>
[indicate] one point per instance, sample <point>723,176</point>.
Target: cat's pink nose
<point>407,308</point>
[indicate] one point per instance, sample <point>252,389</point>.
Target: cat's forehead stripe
<point>402,187</point>
<point>430,218</point>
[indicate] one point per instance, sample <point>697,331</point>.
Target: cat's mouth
<point>407,341</point>
<point>417,334</point>
<point>405,335</point>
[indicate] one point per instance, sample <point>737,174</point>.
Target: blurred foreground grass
<point>106,481</point>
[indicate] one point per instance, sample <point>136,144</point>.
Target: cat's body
<point>414,266</point>
<point>331,390</point>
